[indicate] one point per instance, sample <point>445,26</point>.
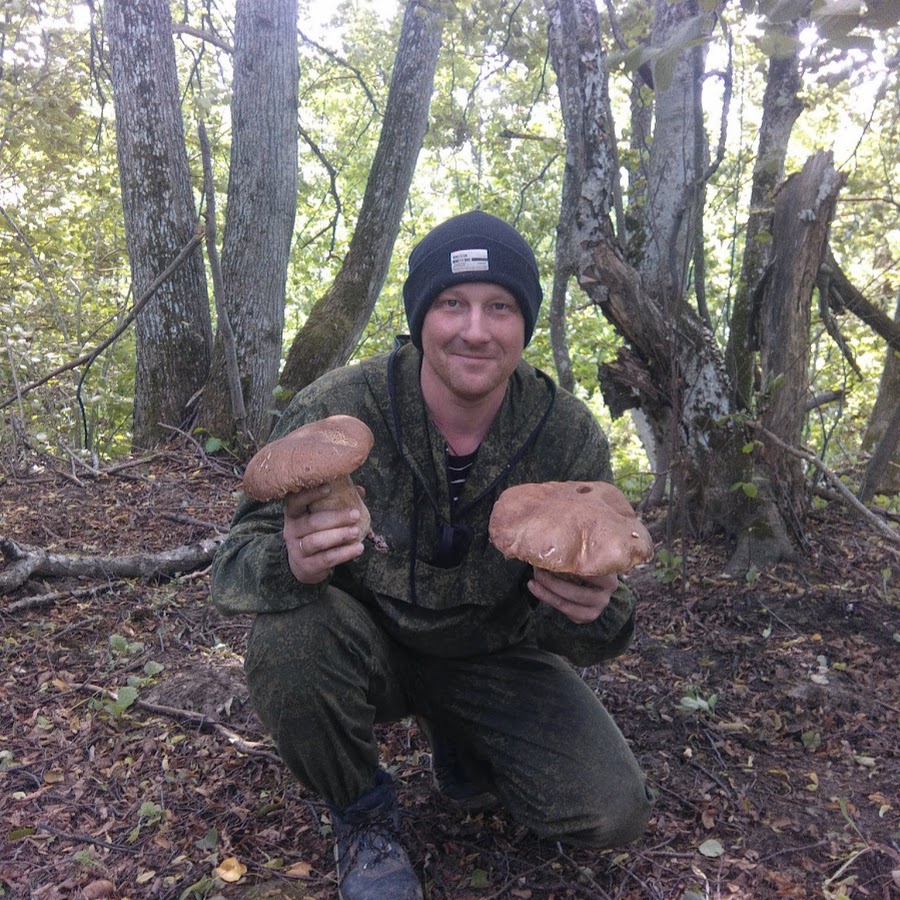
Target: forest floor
<point>766,714</point>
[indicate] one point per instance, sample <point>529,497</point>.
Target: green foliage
<point>668,566</point>
<point>693,702</point>
<point>496,141</point>
<point>116,706</point>
<point>149,816</point>
<point>120,646</point>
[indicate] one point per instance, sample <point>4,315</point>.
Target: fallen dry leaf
<point>98,889</point>
<point>230,870</point>
<point>299,870</point>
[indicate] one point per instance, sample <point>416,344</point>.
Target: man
<point>432,621</point>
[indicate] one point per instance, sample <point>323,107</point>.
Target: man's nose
<point>475,326</point>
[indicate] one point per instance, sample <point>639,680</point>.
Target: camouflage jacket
<point>480,603</point>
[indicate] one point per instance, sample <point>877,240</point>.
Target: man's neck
<point>463,423</point>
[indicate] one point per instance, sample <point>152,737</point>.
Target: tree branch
<point>843,295</point>
<point>845,493</point>
<point>35,561</point>
<point>205,36</point>
<point>88,358</point>
<point>238,410</point>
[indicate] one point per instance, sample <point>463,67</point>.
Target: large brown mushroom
<point>321,452</point>
<point>573,528</point>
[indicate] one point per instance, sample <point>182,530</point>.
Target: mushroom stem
<point>344,495</point>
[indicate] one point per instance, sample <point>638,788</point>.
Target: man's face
<point>472,340</point>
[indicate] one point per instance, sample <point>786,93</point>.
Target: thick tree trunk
<point>262,200</point>
<point>173,334</point>
<point>670,367</point>
<point>781,107</point>
<point>338,318</point>
<point>761,533</point>
<point>804,208</point>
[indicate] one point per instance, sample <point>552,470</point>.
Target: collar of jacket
<point>529,398</point>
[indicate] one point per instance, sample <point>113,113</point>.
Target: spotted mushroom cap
<point>312,454</point>
<point>581,528</point>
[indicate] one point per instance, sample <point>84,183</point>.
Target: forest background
<point>496,138</point>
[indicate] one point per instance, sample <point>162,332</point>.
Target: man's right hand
<point>318,541</point>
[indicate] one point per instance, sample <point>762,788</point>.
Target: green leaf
<point>209,841</point>
<point>811,740</point>
<point>479,879</point>
<point>127,696</point>
<point>213,445</point>
<point>711,848</point>
<point>152,669</point>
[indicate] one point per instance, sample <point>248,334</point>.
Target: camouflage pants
<point>322,675</point>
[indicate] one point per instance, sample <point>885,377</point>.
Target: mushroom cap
<point>581,528</point>
<point>312,454</point>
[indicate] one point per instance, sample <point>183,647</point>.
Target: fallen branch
<point>201,720</point>
<point>51,597</point>
<point>836,482</point>
<point>26,562</point>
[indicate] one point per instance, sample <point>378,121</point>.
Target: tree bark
<point>781,107</point>
<point>262,200</point>
<point>670,366</point>
<point>23,562</point>
<point>173,334</point>
<point>882,474</point>
<point>804,207</point>
<point>668,347</point>
<point>338,318</point>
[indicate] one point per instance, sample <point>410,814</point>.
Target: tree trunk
<point>804,207</point>
<point>262,200</point>
<point>670,367</point>
<point>882,475</point>
<point>173,333</point>
<point>669,346</point>
<point>781,107</point>
<point>338,318</point>
<point>761,534</point>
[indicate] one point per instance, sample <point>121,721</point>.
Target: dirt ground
<point>131,765</point>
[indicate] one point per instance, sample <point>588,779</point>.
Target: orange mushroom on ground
<point>323,452</point>
<point>573,528</point>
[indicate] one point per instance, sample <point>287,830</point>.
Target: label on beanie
<point>469,261</point>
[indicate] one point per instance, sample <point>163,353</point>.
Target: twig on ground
<point>86,839</point>
<point>201,720</point>
<point>50,598</point>
<point>35,561</point>
<point>847,495</point>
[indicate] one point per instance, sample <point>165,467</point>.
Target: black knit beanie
<point>474,246</point>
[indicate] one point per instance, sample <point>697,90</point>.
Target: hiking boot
<point>371,864</point>
<point>454,774</point>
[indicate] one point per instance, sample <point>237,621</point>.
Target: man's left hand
<point>582,601</point>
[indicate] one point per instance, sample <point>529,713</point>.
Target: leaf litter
<point>132,765</point>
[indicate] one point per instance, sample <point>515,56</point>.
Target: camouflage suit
<point>431,620</point>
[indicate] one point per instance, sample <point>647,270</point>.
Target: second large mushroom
<point>574,528</point>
